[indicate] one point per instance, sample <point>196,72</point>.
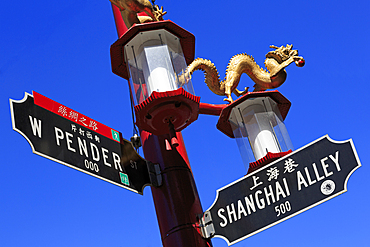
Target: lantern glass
<point>259,128</point>
<point>156,62</point>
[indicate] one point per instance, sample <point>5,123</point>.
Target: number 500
<point>283,208</point>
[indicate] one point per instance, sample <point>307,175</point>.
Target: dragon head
<point>283,53</point>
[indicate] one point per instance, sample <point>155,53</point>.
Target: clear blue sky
<point>62,51</point>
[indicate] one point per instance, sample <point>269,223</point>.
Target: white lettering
<point>317,173</point>
<point>324,166</point>
<point>219,212</point>
<point>282,208</point>
<point>58,135</point>
<point>310,182</point>
<point>82,147</point>
<point>250,204</point>
<point>36,126</point>
<point>231,212</point>
<point>336,160</point>
<point>94,152</point>
<point>300,180</point>
<point>268,194</point>
<point>105,156</point>
<point>92,166</point>
<point>117,161</point>
<point>69,141</point>
<point>260,202</point>
<point>279,191</point>
<point>241,210</point>
<point>286,187</point>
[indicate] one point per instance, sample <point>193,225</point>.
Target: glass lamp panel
<point>157,68</point>
<point>156,63</point>
<point>242,140</point>
<point>259,128</point>
<point>280,129</point>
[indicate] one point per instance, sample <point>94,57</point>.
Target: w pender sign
<point>289,186</point>
<point>61,134</point>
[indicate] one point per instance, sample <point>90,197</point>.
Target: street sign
<point>61,134</point>
<point>291,185</point>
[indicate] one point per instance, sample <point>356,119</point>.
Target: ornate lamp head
<point>256,121</point>
<point>153,56</point>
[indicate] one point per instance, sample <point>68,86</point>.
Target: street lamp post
<point>158,59</point>
<point>152,57</point>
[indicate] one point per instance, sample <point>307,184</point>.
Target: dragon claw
<point>158,12</point>
<point>245,91</point>
<point>229,99</point>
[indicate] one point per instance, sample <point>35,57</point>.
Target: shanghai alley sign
<point>289,186</point>
<point>61,134</point>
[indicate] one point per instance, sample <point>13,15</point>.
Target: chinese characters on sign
<point>72,115</point>
<point>76,117</point>
<point>82,132</point>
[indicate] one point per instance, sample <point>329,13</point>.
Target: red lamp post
<point>163,107</point>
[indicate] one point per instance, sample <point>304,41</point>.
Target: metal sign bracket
<point>155,174</point>
<point>206,225</point>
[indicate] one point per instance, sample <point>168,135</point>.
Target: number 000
<point>92,166</point>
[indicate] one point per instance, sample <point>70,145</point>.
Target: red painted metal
<point>177,107</point>
<point>177,201</point>
<point>68,113</point>
<point>223,123</point>
<point>120,25</point>
<point>211,109</point>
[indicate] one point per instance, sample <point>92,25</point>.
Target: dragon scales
<point>275,62</point>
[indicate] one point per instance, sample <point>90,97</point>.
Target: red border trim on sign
<point>75,116</point>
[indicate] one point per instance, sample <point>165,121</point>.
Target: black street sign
<point>289,186</point>
<point>61,134</point>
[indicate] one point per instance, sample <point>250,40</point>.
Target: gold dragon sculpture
<point>276,61</point>
<point>130,8</point>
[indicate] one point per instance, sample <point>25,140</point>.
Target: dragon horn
<point>273,46</point>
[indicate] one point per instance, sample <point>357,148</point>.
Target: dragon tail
<point>211,76</point>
